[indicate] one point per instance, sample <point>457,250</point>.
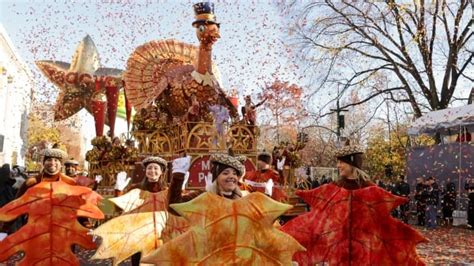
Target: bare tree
<point>320,147</point>
<point>422,49</point>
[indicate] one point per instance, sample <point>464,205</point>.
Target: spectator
<point>403,190</point>
<point>19,174</point>
<point>325,180</point>
<point>10,182</point>
<point>432,193</point>
<point>449,202</point>
<point>380,183</point>
<point>6,191</point>
<point>6,185</point>
<point>392,188</point>
<point>420,201</point>
<point>469,186</point>
<point>314,183</point>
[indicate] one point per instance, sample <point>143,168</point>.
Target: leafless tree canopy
<point>417,52</point>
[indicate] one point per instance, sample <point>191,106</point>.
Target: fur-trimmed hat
<point>71,161</point>
<point>265,157</point>
<point>54,153</point>
<point>351,154</point>
<point>221,159</point>
<point>155,159</point>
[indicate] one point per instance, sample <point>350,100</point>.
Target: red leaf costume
<point>353,227</point>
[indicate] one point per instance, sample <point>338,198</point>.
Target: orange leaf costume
<point>353,227</point>
<point>223,232</point>
<point>140,201</point>
<point>52,228</point>
<point>143,228</point>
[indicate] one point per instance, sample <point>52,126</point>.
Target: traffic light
<point>302,137</point>
<point>340,121</point>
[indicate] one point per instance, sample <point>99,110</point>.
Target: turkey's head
<point>207,34</point>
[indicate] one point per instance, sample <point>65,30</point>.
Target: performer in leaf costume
<point>52,202</point>
<point>52,165</point>
<point>145,223</point>
<point>226,228</point>
<point>350,223</point>
<point>226,171</point>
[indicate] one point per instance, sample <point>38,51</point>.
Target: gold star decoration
<point>241,138</point>
<point>76,81</point>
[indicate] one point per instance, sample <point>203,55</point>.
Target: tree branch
<point>366,99</point>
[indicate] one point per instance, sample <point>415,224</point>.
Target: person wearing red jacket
<point>265,179</point>
<point>71,166</point>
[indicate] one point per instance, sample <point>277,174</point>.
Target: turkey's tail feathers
<point>148,66</point>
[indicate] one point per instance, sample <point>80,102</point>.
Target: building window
<point>2,137</point>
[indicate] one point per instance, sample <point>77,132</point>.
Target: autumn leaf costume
<point>350,223</point>
<point>53,203</point>
<point>145,223</point>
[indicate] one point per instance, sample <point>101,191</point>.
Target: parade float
<point>180,108</point>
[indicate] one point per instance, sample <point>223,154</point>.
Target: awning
<point>446,121</point>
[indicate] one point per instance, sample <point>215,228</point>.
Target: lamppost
<point>340,117</point>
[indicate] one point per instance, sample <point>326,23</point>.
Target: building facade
<point>16,91</point>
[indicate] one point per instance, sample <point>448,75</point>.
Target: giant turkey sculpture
<point>168,73</point>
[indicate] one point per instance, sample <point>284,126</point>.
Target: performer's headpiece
<point>154,159</point>
<point>351,154</point>
<point>54,153</point>
<point>222,161</point>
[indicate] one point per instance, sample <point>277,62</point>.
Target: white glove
<point>269,187</point>
<point>3,236</point>
<point>208,179</point>
<point>281,163</point>
<point>91,233</point>
<point>18,182</point>
<point>122,181</point>
<point>98,178</point>
<point>181,165</point>
<point>186,178</point>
